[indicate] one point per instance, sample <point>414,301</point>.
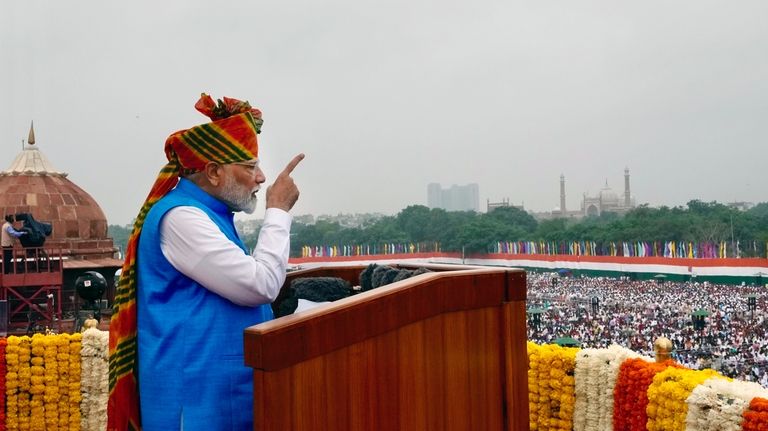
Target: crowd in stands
<point>634,313</point>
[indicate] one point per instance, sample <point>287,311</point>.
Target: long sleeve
<point>13,232</point>
<point>196,247</point>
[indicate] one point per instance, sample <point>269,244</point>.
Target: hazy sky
<point>386,97</point>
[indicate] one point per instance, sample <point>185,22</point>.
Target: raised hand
<point>283,193</point>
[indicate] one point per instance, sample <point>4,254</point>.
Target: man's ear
<point>213,173</point>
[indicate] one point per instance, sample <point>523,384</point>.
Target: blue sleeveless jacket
<point>190,340</point>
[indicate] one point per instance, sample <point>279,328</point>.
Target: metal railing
<point>31,260</point>
<point>30,282</point>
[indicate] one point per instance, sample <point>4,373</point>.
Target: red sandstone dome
<point>32,185</point>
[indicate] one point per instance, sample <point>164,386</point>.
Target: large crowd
<point>598,312</point>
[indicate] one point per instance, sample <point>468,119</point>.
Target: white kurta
<point>197,248</point>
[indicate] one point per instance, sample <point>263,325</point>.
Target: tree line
<point>472,232</point>
<point>477,232</point>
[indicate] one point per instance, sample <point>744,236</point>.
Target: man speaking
<point>189,286</point>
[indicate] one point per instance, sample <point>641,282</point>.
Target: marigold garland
<point>51,396</point>
<point>62,357</point>
<point>3,372</point>
<point>3,387</point>
<point>551,386</point>
<point>25,375</point>
<point>37,384</point>
<point>75,345</point>
<point>756,416</point>
<point>42,382</point>
<point>630,395</point>
<point>12,384</point>
<point>667,395</point>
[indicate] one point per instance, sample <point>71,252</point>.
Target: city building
<point>490,206</point>
<point>455,198</point>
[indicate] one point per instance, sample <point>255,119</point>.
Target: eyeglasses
<point>252,167</point>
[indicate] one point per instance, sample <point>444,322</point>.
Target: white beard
<point>237,197</point>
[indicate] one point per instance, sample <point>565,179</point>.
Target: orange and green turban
<point>231,136</point>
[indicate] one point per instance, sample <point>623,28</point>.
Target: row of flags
<point>684,249</point>
<point>369,249</point>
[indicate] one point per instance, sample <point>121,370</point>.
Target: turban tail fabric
<point>230,137</point>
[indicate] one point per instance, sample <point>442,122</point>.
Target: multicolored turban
<point>231,136</point>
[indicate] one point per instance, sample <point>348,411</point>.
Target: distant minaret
<point>627,200</point>
<point>562,195</point>
<point>31,138</point>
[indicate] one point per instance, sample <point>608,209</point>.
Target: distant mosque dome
<point>608,196</point>
<point>31,184</point>
<point>594,205</point>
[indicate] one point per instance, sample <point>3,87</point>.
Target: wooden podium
<point>442,351</point>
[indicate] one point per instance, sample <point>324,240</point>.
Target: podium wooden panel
<point>442,351</point>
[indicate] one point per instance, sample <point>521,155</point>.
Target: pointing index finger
<point>292,164</point>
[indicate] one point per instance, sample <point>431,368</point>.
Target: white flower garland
<point>616,356</point>
<point>94,383</point>
<point>596,373</point>
<point>718,404</point>
<point>585,407</point>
